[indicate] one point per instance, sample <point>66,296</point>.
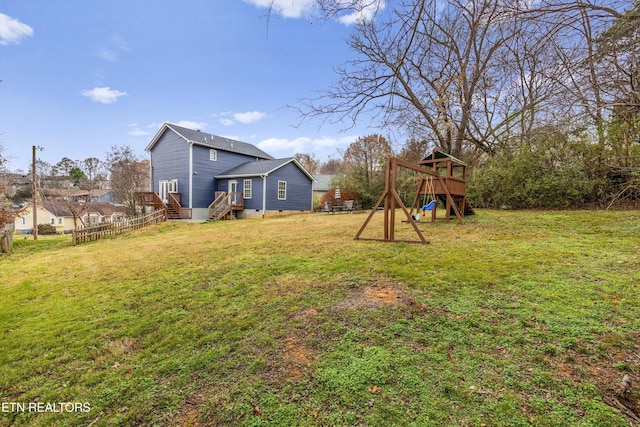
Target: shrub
<point>547,172</point>
<point>46,229</point>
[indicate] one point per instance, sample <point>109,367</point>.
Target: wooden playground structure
<point>442,178</point>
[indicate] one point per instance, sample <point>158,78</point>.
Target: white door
<point>233,189</point>
<point>166,187</point>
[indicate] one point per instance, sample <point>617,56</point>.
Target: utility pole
<point>34,193</point>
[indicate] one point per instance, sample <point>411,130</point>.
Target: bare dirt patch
<point>379,294</point>
<point>607,375</point>
<point>297,357</point>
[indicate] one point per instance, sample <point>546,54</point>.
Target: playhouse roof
<point>437,154</point>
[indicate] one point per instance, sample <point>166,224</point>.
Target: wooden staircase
<point>173,208</point>
<point>225,205</point>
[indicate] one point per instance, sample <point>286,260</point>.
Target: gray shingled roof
<point>323,182</point>
<point>255,168</point>
<point>218,142</point>
<point>262,167</point>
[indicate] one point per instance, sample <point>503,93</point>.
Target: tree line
<point>541,99</point>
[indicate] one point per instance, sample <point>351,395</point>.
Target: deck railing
<point>113,229</point>
<point>175,200</point>
<point>225,202</point>
<point>151,198</point>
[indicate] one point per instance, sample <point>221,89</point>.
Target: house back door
<point>233,190</point>
<point>167,187</point>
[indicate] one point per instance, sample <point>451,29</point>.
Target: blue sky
<point>81,76</point>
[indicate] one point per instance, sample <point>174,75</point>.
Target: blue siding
<point>205,170</point>
<point>170,160</point>
<point>298,189</point>
<point>255,202</point>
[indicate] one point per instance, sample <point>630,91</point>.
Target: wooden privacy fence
<point>99,231</point>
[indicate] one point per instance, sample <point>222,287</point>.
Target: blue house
<point>203,176</point>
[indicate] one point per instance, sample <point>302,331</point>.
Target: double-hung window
<point>282,190</point>
<point>247,188</point>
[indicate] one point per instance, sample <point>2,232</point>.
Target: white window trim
<point>285,190</point>
<point>165,187</point>
<point>213,155</point>
<point>244,188</point>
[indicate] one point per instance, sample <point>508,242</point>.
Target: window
<point>213,155</point>
<point>103,219</point>
<point>53,221</point>
<point>282,190</point>
<point>247,188</point>
<point>24,220</point>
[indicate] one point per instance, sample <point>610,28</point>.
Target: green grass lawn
<point>513,319</point>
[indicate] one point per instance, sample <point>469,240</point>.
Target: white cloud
<point>115,45</point>
<point>103,95</point>
<point>191,124</point>
<point>249,117</point>
<point>319,146</point>
<point>286,8</point>
<point>138,130</point>
<point>364,12</point>
<point>229,118</point>
<point>108,55</point>
<point>13,31</point>
<point>280,145</point>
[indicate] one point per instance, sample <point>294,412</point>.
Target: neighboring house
<point>195,168</point>
<point>100,213</point>
<point>54,213</point>
<point>59,215</point>
<point>106,196</point>
<point>322,185</point>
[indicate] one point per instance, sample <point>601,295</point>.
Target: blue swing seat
<point>429,206</point>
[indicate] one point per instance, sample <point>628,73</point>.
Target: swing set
<point>427,183</point>
<point>442,179</point>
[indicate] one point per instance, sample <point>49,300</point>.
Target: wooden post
<point>6,241</point>
<point>393,185</point>
<point>34,194</point>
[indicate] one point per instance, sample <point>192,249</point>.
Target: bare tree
<point>128,174</point>
<point>308,161</point>
<point>426,67</point>
<point>472,74</point>
<point>331,167</point>
<point>94,170</point>
<point>363,166</point>
<point>414,150</point>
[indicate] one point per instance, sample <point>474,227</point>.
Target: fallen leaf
<point>449,356</point>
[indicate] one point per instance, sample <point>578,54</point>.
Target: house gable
<point>298,189</point>
<point>209,141</point>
